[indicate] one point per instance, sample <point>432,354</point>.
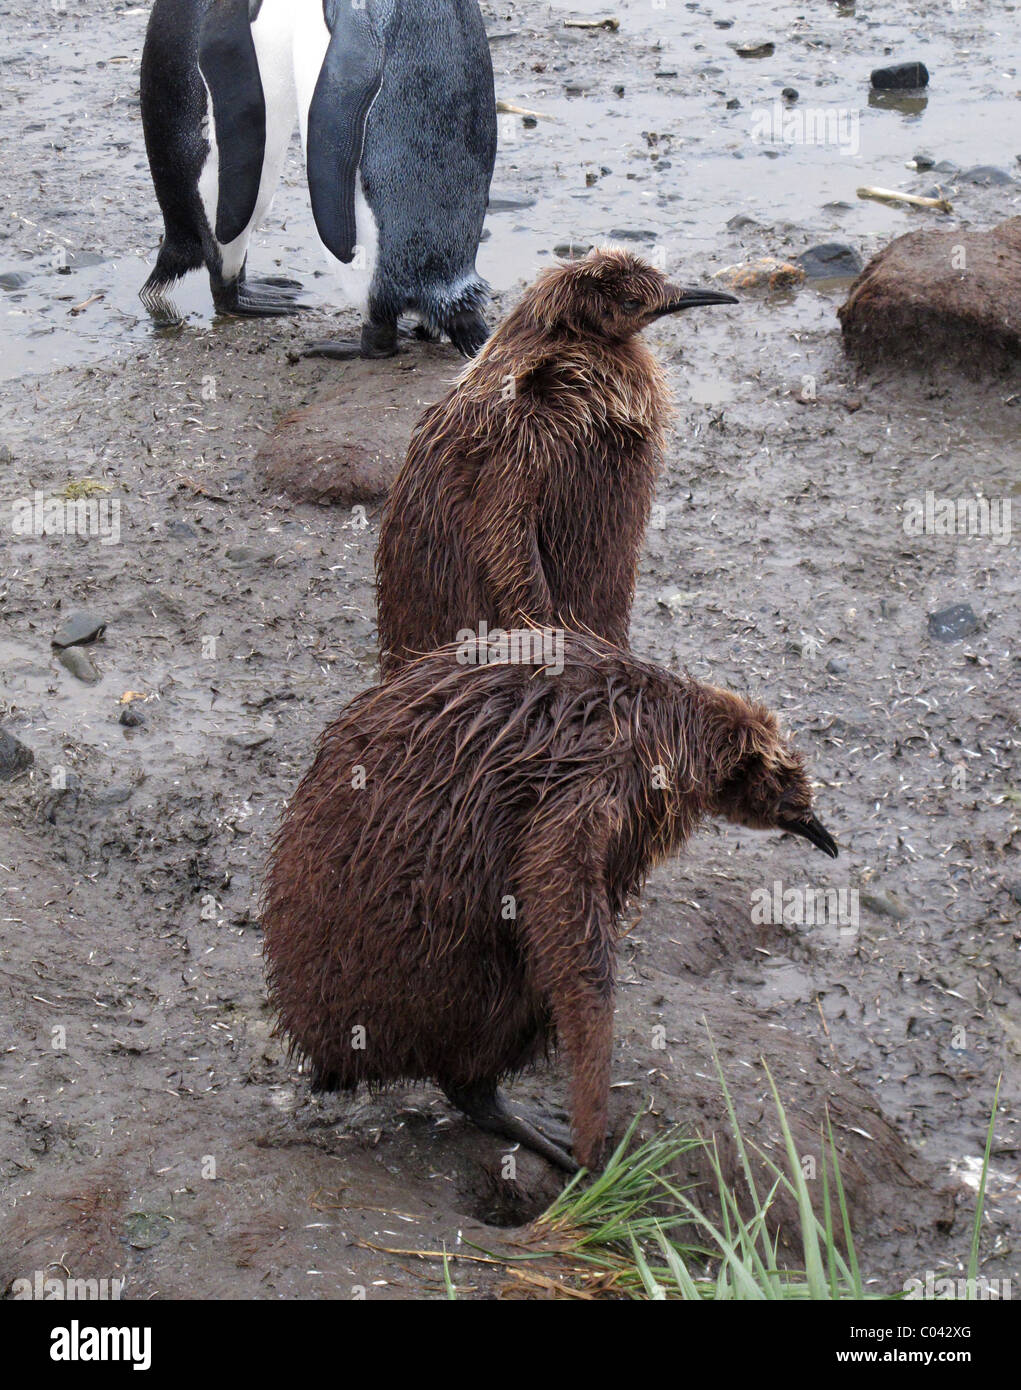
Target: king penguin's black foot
<point>338,349</point>
<point>485,1106</point>
<point>271,297</point>
<point>280,282</point>
<point>468,330</point>
<point>377,340</point>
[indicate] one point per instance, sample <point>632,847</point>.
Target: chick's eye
<point>631,305</point>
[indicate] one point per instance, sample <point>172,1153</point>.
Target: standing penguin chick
<point>526,491</point>
<point>397,113</point>
<point>444,890</point>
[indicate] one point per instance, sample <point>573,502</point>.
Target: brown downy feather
<point>444,890</point>
<point>526,491</point>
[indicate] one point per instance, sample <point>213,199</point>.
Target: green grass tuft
<point>631,1231</point>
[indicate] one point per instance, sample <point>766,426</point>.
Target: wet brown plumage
<point>526,491</point>
<point>450,871</point>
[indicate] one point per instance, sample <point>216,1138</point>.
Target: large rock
<point>348,445</point>
<point>938,296</point>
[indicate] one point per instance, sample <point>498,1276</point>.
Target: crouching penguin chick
<point>443,894</point>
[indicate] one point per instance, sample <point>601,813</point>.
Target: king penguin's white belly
<point>311,40</point>
<point>273,36</point>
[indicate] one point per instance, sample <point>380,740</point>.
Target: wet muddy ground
<point>151,1129</point>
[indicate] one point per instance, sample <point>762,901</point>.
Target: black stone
<point>953,623</point>
<point>902,77</point>
<point>831,260</point>
<point>754,50</point>
<point>985,176</point>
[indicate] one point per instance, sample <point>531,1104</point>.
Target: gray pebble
<point>14,756</point>
<point>79,663</point>
<point>78,629</point>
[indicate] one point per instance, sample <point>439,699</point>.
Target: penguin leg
<point>248,67</point>
<point>378,339</point>
<point>485,1106</point>
<point>177,255</point>
<point>573,966</point>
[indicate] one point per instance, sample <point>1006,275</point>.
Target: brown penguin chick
<point>526,491</point>
<point>443,893</point>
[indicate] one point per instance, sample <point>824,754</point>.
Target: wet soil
<point>150,1126</point>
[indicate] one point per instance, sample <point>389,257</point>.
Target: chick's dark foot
<point>486,1106</point>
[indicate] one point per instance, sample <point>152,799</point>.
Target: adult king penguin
<point>398,117</point>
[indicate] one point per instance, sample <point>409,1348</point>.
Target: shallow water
<point>668,163</point>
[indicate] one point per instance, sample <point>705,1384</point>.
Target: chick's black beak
<point>694,298</point>
<point>813,830</point>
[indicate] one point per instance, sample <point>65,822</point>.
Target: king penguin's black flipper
<point>349,79</point>
<point>230,67</point>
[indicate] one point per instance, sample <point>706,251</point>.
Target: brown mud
<point>168,1141</point>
